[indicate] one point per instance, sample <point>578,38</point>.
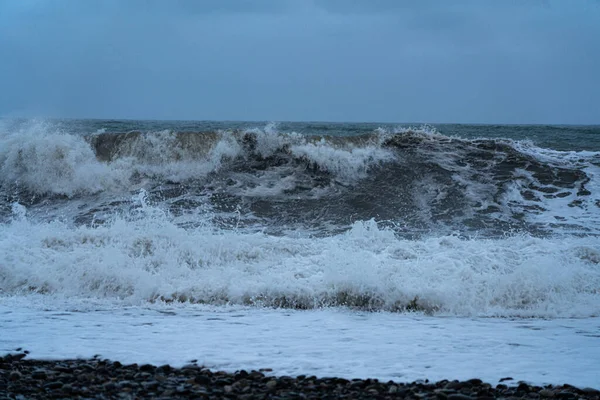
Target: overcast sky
<point>510,61</point>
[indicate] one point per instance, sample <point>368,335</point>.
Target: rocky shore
<point>23,378</point>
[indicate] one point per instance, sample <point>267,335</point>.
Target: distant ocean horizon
<point>50,118</point>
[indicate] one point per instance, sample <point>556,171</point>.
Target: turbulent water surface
<point>449,221</point>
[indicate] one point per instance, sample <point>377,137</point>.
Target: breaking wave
<point>147,258</point>
<point>417,180</point>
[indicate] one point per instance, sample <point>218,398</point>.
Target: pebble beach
<point>24,378</point>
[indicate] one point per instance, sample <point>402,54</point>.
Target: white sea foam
<point>160,155</point>
<point>41,158</point>
<point>345,161</point>
<point>147,257</point>
<point>330,342</point>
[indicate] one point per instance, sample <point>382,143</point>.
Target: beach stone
<point>150,385</point>
<point>357,383</point>
<point>181,389</point>
<point>458,396</point>
<point>455,385</point>
<point>141,376</point>
<point>147,368</point>
<point>62,369</point>
<point>590,391</point>
<point>223,381</point>
<point>15,357</point>
<point>571,388</point>
<point>482,390</point>
<point>109,386</point>
<point>393,389</point>
<point>15,376</point>
<point>86,367</point>
<point>241,374</point>
<point>256,375</point>
<point>523,387</point>
<point>271,385</point>
<point>39,374</point>
<point>53,385</point>
<point>240,383</point>
<point>546,393</point>
<point>342,381</point>
<point>403,392</point>
<point>447,392</point>
<point>202,380</point>
<point>565,395</point>
<point>164,368</point>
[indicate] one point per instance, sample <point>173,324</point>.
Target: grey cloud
<point>429,61</point>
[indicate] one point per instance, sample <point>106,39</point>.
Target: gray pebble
<point>14,376</point>
<point>271,385</point>
<point>458,396</point>
<point>455,385</point>
<point>565,395</point>
<point>39,374</point>
<point>590,391</point>
<point>53,385</point>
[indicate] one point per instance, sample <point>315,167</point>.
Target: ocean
<point>393,251</point>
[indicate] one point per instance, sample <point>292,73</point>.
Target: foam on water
<point>348,161</point>
<point>329,342</point>
<point>42,159</point>
<point>145,257</point>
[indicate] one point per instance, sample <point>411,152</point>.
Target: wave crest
<point>42,159</point>
<point>415,178</point>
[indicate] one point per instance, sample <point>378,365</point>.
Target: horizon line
<point>267,121</point>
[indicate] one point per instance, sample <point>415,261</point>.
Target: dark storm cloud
<point>378,60</point>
